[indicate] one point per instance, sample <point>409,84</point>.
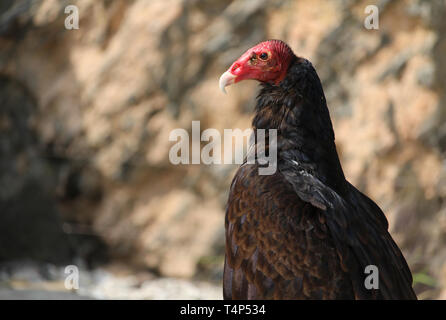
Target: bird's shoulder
<point>359,229</point>
<point>278,244</point>
<point>294,206</point>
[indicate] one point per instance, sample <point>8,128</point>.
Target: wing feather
<point>278,246</point>
<point>359,229</point>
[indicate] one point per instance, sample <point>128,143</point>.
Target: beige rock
<point>109,94</point>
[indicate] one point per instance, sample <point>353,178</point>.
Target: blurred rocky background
<point>85,117</point>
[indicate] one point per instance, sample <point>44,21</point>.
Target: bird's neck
<point>298,110</point>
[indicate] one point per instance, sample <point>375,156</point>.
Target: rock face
<point>85,118</point>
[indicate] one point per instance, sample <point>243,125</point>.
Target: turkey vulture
<point>303,232</point>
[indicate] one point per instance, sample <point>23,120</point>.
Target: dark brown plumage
<point>304,232</point>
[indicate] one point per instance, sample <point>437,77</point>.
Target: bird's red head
<point>266,62</point>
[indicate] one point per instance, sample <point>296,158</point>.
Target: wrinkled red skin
<point>272,70</point>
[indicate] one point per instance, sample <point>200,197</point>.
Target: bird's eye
<point>263,56</point>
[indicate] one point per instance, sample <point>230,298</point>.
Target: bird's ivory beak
<point>226,79</point>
